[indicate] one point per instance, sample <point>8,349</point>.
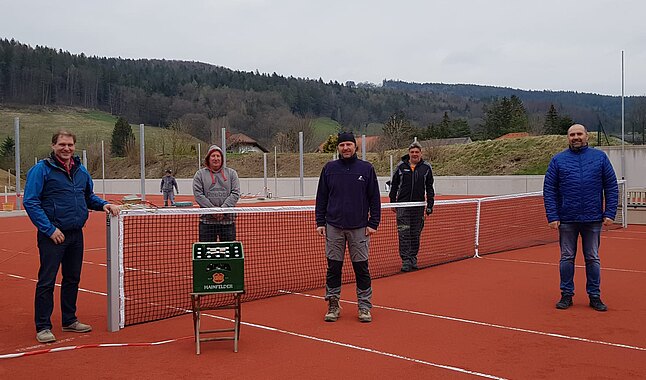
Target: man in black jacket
<point>411,180</point>
<point>348,211</point>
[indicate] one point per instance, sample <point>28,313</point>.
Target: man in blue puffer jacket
<point>58,194</point>
<point>348,211</point>
<point>580,195</point>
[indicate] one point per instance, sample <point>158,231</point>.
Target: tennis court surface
<point>490,317</point>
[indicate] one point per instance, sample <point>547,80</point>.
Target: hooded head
<point>214,158</point>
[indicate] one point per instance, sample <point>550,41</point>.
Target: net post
<point>112,261</point>
<point>476,255</point>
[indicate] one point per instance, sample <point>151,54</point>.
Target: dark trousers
<point>69,257</point>
<point>211,232</point>
<point>410,222</point>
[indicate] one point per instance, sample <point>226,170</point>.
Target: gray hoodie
<point>216,189</point>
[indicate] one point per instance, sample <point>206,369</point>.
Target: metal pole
<point>275,171</point>
<point>363,147</point>
<point>623,152</point>
<point>103,167</point>
<point>85,158</point>
<point>199,156</point>
<point>142,161</point>
<point>391,166</point>
<point>16,127</point>
<point>264,172</point>
<point>224,147</point>
<point>300,149</point>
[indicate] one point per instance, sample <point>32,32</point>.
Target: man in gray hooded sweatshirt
<point>216,186</point>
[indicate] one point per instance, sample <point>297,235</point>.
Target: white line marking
<point>556,264</point>
<point>517,329</point>
<point>360,348</point>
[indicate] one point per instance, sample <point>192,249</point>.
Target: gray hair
<point>415,144</point>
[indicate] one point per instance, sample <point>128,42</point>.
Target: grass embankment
<point>529,155</point>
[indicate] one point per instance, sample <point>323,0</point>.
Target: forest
<point>202,99</point>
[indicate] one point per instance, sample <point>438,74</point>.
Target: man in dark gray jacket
<point>166,188</point>
<point>215,185</point>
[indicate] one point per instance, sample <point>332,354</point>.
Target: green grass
<point>324,127</point>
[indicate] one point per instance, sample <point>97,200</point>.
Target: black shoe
<point>406,268</point>
<point>565,302</point>
<point>597,304</point>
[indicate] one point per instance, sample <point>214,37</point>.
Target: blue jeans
<point>69,257</point>
<point>590,239</point>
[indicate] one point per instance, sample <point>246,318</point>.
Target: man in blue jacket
<point>58,194</point>
<point>348,211</point>
<point>580,195</point>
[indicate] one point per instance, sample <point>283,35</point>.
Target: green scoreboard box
<point>218,267</point>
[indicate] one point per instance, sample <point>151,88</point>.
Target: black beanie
<point>346,136</point>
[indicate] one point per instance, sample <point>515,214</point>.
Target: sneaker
<point>406,268</point>
<point>597,304</point>
<point>45,336</point>
<point>364,315</point>
<point>565,302</point>
<point>333,310</point>
<point>78,327</point>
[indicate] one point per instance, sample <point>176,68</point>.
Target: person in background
<point>348,211</point>
<point>58,194</point>
<point>216,186</point>
<point>166,188</point>
<point>580,194</point>
<point>412,182</point>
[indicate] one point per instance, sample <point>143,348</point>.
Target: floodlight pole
<point>623,152</point>
<point>300,149</point>
<point>103,167</point>
<point>16,127</point>
<point>142,161</point>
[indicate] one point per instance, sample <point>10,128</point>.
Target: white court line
<point>493,325</point>
<point>556,264</point>
<point>317,339</point>
<point>360,348</point>
<point>16,232</point>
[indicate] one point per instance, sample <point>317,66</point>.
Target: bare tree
<point>397,131</point>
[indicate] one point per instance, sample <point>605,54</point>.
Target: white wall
<point>635,157</point>
<point>290,187</point>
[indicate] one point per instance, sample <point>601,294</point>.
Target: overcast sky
<point>542,44</point>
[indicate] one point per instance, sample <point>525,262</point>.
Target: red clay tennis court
<point>491,317</point>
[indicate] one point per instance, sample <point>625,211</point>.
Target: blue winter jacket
<point>348,195</point>
<point>54,199</point>
<point>575,185</point>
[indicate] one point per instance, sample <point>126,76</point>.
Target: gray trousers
<point>357,243</point>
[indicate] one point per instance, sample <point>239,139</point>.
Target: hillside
<point>528,155</point>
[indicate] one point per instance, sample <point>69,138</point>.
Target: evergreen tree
<point>505,116</point>
<point>122,138</point>
<point>7,147</point>
<point>329,146</point>
<point>555,124</point>
<point>551,125</point>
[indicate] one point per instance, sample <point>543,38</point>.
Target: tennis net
<point>150,259</point>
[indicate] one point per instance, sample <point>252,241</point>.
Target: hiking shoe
<point>333,310</point>
<point>364,315</point>
<point>78,327</point>
<point>597,304</point>
<point>45,336</point>
<point>406,268</point>
<point>565,302</point>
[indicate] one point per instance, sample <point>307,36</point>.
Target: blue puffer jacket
<point>54,199</point>
<point>575,185</point>
<point>348,195</point>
